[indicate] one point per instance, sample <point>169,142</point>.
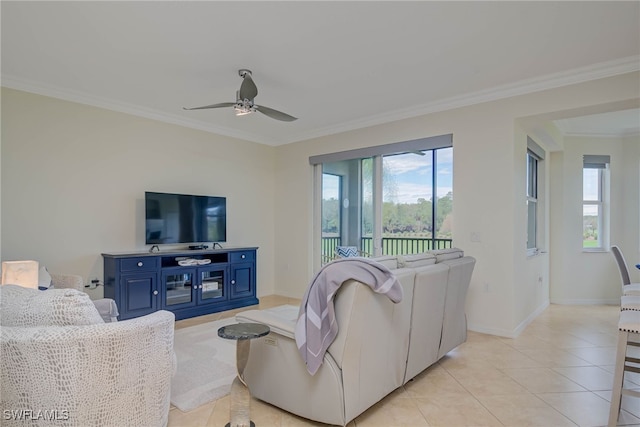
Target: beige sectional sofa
<point>379,347</point>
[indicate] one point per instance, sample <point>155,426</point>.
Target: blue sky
<point>412,176</point>
<point>590,190</point>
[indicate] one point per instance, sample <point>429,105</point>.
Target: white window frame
<point>601,164</point>
<point>535,193</point>
<point>533,167</point>
<point>375,152</point>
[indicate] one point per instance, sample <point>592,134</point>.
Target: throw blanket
<point>316,327</point>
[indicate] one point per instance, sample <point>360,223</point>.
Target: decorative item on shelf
<point>23,273</point>
<point>191,261</point>
<point>208,286</point>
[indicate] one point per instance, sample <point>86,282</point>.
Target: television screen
<point>183,218</point>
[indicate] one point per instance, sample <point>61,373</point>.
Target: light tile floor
<point>558,372</point>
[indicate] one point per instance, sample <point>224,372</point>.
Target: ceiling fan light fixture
<point>242,112</point>
<point>244,101</point>
<point>244,107</point>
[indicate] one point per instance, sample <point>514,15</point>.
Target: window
<point>532,203</point>
<point>386,200</point>
<point>417,201</point>
<point>331,218</point>
<point>535,197</point>
<point>595,172</point>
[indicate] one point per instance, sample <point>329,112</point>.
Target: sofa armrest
<point>67,281</point>
<point>281,320</point>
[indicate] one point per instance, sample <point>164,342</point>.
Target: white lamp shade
<point>23,273</point>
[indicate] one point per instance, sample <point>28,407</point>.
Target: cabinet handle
<point>155,292</point>
<point>233,282</point>
<point>140,264</point>
<point>243,256</point>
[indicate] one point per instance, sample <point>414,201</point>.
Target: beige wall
<point>74,177</point>
<point>489,171</point>
<point>592,277</point>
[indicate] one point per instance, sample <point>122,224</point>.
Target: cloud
<point>410,193</point>
<point>405,163</point>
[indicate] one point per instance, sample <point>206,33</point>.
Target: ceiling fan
<point>244,101</point>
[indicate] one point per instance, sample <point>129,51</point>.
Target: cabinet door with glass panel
<point>211,285</point>
<point>178,287</point>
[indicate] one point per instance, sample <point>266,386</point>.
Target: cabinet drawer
<point>139,264</point>
<point>242,256</point>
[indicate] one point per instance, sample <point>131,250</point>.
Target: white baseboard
<point>531,318</point>
<point>490,331</point>
<point>586,301</point>
<point>510,333</point>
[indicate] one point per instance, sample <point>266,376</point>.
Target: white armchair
<point>67,281</point>
<point>59,358</point>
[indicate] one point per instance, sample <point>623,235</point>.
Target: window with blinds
<point>595,187</point>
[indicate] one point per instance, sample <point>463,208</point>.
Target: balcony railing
<point>329,247</point>
<point>405,245</point>
<point>390,245</point>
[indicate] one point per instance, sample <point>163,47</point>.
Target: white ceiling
<point>615,123</point>
<point>335,65</point>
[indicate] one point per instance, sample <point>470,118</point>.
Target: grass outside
<point>589,243</point>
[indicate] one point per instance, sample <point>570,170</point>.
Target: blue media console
<point>189,283</point>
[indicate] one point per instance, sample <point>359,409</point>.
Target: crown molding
<point>121,107</point>
<point>629,134</point>
<point>550,81</point>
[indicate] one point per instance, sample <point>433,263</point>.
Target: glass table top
<point>243,331</point>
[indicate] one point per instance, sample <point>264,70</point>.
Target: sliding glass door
<point>331,214</point>
<point>388,204</point>
<point>416,202</point>
<point>343,206</point>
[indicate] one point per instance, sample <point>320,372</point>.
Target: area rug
<point>206,365</point>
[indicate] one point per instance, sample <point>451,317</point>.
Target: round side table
<point>240,407</point>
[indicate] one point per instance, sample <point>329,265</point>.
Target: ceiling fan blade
<point>248,89</point>
<point>220,105</point>
<point>275,114</point>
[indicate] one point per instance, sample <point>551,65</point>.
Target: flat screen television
<point>184,218</point>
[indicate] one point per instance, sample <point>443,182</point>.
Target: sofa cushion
<point>419,260</point>
<point>389,261</point>
<point>447,254</point>
<point>27,307</point>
